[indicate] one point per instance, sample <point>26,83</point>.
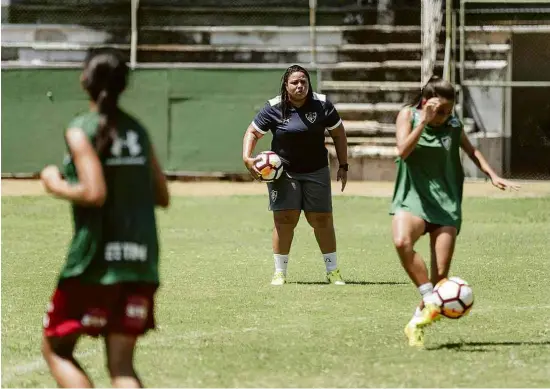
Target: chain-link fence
<point>509,96</point>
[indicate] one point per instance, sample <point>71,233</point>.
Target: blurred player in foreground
<point>113,180</point>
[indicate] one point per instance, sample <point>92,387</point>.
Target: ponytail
<point>107,105</point>
<point>105,77</point>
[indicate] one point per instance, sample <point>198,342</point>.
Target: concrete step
<point>363,128</point>
<point>372,151</point>
<point>189,3</point>
<point>369,86</point>
<point>387,34</point>
<point>87,13</point>
<point>117,12</point>
<point>249,53</point>
<point>380,112</point>
<point>366,141</point>
<point>264,34</point>
<point>367,91</point>
<point>25,33</point>
<point>413,52</point>
<point>254,35</point>
<point>405,70</point>
<point>13,51</point>
<point>371,163</point>
<point>204,3</point>
<point>495,34</point>
<point>276,15</point>
<point>346,34</point>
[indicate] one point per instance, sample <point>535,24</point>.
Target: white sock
<point>281,262</point>
<point>426,291</point>
<point>330,261</point>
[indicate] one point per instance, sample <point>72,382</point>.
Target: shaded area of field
<point>354,188</point>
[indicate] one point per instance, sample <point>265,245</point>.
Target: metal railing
<point>516,25</point>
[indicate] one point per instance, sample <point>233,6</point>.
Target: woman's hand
<point>503,184</point>
<point>342,175</point>
<point>429,110</point>
<point>51,177</point>
<point>249,163</point>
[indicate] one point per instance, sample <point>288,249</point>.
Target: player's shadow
<point>476,347</point>
<point>351,283</point>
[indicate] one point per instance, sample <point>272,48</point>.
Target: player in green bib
<point>427,198</point>
<point>114,181</point>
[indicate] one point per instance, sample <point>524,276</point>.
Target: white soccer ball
<point>269,165</point>
<point>455,296</point>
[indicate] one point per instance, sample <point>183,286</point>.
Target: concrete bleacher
<point>368,70</point>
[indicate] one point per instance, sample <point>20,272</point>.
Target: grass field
<point>220,323</point>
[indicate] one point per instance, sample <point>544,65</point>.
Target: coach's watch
<point>344,166</point>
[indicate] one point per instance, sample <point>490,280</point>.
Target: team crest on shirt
<point>446,142</point>
<point>311,116</point>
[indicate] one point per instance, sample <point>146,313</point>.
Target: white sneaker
<point>279,278</point>
<point>334,277</point>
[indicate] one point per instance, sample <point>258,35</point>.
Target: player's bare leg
<point>67,372</point>
<point>283,233</point>
<point>407,229</point>
<point>442,244</point>
<point>323,227</point>
<point>120,361</point>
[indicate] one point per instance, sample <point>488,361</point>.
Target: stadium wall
<point>196,117</point>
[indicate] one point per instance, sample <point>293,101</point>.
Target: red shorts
<point>92,309</point>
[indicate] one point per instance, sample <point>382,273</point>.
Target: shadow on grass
<point>350,283</point>
<point>483,346</point>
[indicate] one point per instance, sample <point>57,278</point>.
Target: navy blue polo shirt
<point>300,139</point>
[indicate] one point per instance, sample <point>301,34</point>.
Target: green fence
<point>196,118</point>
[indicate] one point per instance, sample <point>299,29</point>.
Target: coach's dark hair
<point>435,87</point>
<point>285,103</point>
<point>105,78</point>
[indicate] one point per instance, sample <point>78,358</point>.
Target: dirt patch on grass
<point>20,187</point>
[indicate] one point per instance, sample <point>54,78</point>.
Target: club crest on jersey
<point>311,116</point>
<point>446,142</point>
